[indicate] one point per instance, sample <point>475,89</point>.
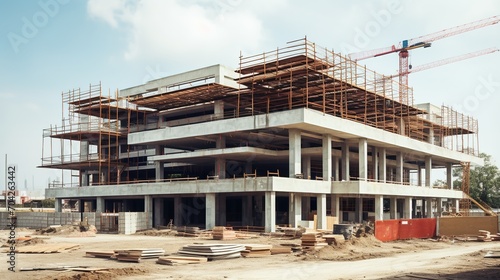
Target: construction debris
<point>281,250</point>
<point>334,239</point>
<point>223,233</point>
<point>189,231</point>
<point>213,251</point>
<point>493,254</point>
<point>179,260</point>
<point>100,254</point>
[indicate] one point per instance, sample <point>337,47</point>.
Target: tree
<point>484,182</point>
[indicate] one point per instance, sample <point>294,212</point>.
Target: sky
<point>51,46</point>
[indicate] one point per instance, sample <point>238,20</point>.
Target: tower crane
<point>423,41</point>
<point>446,61</point>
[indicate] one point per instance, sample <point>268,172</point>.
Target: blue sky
<point>51,46</point>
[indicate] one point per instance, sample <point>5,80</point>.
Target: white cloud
<point>177,31</point>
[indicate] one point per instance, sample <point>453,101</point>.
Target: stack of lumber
<point>188,231</point>
<point>223,233</point>
<point>256,250</point>
<point>281,250</point>
<point>484,235</point>
<point>213,251</point>
<point>312,240</point>
<point>179,260</point>
<point>334,239</point>
<point>136,255</point>
<point>100,254</point>
<point>47,248</point>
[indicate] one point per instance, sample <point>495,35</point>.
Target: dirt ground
<point>360,258</point>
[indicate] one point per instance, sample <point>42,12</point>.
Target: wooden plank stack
<point>334,239</point>
<point>136,255</point>
<point>100,254</point>
<point>256,250</point>
<point>223,233</point>
<point>180,260</point>
<point>312,240</point>
<point>484,235</point>
<point>281,250</point>
<point>212,251</point>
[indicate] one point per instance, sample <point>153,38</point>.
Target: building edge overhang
<point>307,120</point>
<point>252,185</point>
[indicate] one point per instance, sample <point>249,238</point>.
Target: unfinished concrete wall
<point>466,225</point>
<point>131,222</point>
<point>37,220</point>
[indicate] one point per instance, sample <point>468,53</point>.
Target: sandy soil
<point>363,258</point>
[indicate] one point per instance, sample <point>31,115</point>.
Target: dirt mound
<point>113,273</point>
<point>353,249</point>
<point>157,232</point>
<point>70,230</point>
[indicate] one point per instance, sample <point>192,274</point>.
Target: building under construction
<point>299,135</point>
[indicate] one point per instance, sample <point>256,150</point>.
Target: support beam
<point>379,208</point>
<point>327,157</point>
<point>159,172</point>
<point>359,209</point>
<point>428,170</point>
<point>210,210</point>
<point>99,205</point>
<point>159,216</point>
<point>428,208</point>
<point>439,206</point>
<point>219,109</point>
<point>336,169</point>
<point>345,162</point>
<point>246,210</point>
<point>294,150</point>
<point>178,211</point>
<point>449,175</point>
<point>148,203</point>
<point>394,208</point>
<point>270,220</point>
<point>382,169</point>
<point>375,164</point>
<point>363,159</point>
<point>335,206</point>
<point>58,205</point>
<point>399,167</point>
<point>407,208</point>
<point>321,211</point>
<point>419,176</point>
<point>306,167</point>
<point>295,205</point>
<point>220,168</point>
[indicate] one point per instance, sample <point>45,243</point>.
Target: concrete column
<point>321,211</point>
<point>270,220</point>
<point>295,210</point>
<point>84,149</point>
<point>58,205</point>
<point>159,173</point>
<point>294,152</point>
<point>431,136</point>
<point>419,176</point>
<point>449,175</point>
<point>327,157</point>
<point>247,210</point>
<point>336,174</point>
<point>428,170</point>
<point>439,206</point>
<point>379,208</point>
<point>394,208</point>
<point>345,162</point>
<point>219,109</point>
<point>382,168</point>
<point>148,204</point>
<point>375,163</point>
<point>220,167</point>
<point>359,209</point>
<point>178,211</point>
<point>221,209</point>
<point>399,167</point>
<point>210,210</point>
<point>457,205</point>
<point>306,207</point>
<point>99,205</point>
<point>335,205</point>
<point>408,207</point>
<point>428,208</point>
<point>159,216</point>
<point>400,123</point>
<point>84,180</point>
<point>363,159</point>
<point>306,167</point>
